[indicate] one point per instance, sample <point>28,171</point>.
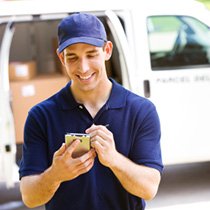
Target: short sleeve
<point>34,159</point>
<point>146,149</point>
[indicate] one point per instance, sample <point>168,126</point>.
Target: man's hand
<point>65,167</point>
<point>137,179</point>
<point>38,189</point>
<point>103,142</point>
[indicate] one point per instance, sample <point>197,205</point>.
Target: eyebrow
<point>92,51</point>
<point>70,54</point>
<point>89,51</point>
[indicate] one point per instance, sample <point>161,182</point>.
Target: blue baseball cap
<point>81,28</point>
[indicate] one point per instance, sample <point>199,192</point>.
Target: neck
<point>94,99</point>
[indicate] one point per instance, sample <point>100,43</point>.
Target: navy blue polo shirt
<point>132,119</point>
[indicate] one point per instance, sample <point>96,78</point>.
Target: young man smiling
<point>123,167</point>
<point>86,67</point>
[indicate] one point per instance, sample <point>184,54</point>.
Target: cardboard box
<point>26,94</point>
<point>19,71</point>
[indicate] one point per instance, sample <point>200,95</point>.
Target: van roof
<point>33,7</point>
<point>30,10</point>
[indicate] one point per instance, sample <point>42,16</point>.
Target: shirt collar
<point>117,98</point>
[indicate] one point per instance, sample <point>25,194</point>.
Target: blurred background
<point>206,3</point>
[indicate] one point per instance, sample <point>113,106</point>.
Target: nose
<point>83,65</point>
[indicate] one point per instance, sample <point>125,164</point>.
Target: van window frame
<point>175,60</point>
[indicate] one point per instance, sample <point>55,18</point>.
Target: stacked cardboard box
<point>26,94</point>
<point>19,71</point>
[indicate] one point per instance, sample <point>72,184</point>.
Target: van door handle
<point>147,88</point>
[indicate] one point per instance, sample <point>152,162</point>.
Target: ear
<point>61,57</point>
<point>108,50</point>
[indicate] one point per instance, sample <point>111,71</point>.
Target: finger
<point>101,136</point>
<point>97,127</point>
<point>85,169</point>
<point>90,154</point>
<point>61,150</point>
<point>97,146</point>
<point>86,166</point>
<point>72,147</point>
<point>92,127</point>
<point>99,140</point>
<point>85,162</point>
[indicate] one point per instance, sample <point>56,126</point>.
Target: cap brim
<point>87,40</point>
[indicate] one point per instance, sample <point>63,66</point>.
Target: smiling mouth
<point>84,78</point>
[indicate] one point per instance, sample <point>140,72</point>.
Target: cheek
<point>70,67</point>
<point>69,71</point>
<point>97,64</point>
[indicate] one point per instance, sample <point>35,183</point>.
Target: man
<point>123,167</point>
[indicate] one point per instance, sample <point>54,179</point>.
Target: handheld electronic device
<point>84,145</point>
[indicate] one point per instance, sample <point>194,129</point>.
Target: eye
<point>71,59</point>
<point>90,56</point>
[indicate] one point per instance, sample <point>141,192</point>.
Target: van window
<point>178,42</point>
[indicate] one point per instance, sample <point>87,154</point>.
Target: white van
<point>161,51</point>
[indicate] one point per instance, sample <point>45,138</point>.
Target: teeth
<point>85,78</point>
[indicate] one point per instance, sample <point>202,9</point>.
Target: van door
<point>8,165</point>
<point>179,85</point>
<point>121,43</point>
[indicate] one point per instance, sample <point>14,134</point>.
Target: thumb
<point>73,146</point>
<point>61,150</point>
